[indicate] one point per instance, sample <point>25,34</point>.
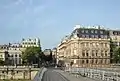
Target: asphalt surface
<point>51,75</point>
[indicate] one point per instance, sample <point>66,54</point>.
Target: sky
<point>51,20</point>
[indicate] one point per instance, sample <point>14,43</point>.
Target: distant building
<point>3,52</point>
<point>115,36</point>
<point>15,53</point>
<point>86,47</point>
<point>12,52</point>
<point>47,52</point>
<point>30,42</point>
<point>54,54</point>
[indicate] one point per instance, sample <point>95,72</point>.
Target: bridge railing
<point>40,74</point>
<point>95,73</point>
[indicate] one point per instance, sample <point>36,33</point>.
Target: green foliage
<point>32,55</point>
<point>1,62</point>
<point>117,55</point>
<point>112,48</point>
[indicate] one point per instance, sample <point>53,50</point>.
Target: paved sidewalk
<point>73,78</point>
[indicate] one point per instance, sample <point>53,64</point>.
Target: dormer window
<point>86,31</point>
<point>101,32</point>
<point>92,31</point>
<point>29,39</point>
<point>23,39</point>
<point>96,31</point>
<point>82,31</point>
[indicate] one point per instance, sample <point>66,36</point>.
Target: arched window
<point>83,53</point>
<point>87,61</point>
<point>82,61</point>
<point>96,61</point>
<point>15,55</point>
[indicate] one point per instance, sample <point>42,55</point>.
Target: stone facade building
<point>30,42</point>
<point>47,52</point>
<point>12,52</point>
<point>54,55</point>
<point>86,47</point>
<point>115,36</point>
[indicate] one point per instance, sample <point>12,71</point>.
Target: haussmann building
<point>85,47</point>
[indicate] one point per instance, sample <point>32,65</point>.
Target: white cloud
<point>13,4</point>
<point>40,8</point>
<point>19,2</point>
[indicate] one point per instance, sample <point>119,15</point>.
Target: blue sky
<point>50,20</point>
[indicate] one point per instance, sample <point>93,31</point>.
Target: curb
<point>40,74</point>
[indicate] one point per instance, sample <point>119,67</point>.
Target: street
<point>51,75</point>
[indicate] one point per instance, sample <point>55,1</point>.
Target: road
<point>51,75</point>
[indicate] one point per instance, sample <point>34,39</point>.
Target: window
<point>101,32</point>
<point>101,53</point>
<point>29,39</point>
<point>101,36</point>
<point>92,53</point>
<point>96,36</point>
<point>83,36</point>
<point>101,61</point>
<point>82,31</point>
<point>92,36</point>
<point>92,61</point>
<point>87,53</point>
<point>11,55</point>
<point>2,71</point>
<point>86,31</point>
<point>19,55</point>
<point>95,31</point>
<point>82,61</point>
<point>83,54</point>
<point>16,55</point>
<point>92,31</point>
<point>8,55</point>
<point>96,61</point>
<point>105,53</point>
<point>87,61</point>
<point>34,43</point>
<point>105,61</point>
<point>96,52</point>
<point>87,36</point>
<point>105,36</point>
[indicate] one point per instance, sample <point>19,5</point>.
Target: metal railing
<point>97,74</point>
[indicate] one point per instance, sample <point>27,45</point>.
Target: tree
<point>32,55</point>
<point>117,55</point>
<point>1,62</point>
<point>112,48</point>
